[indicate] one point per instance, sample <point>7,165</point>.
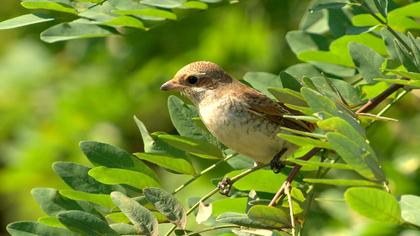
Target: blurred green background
<point>54,95</point>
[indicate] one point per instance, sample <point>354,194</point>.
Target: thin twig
<point>212,229</point>
<point>188,182</point>
<point>292,218</point>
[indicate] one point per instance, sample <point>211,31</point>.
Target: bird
<point>239,116</point>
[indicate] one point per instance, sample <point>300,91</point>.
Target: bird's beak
<point>170,85</point>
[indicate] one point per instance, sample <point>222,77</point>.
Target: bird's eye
<point>192,79</point>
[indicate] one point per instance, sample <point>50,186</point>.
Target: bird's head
<point>198,79</point>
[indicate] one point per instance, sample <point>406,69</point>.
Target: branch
<point>371,104</point>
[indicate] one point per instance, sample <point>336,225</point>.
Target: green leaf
<point>321,6</point>
<point>77,177</point>
<point>121,176</point>
<point>50,221</point>
<point>285,95</point>
<point>177,165</point>
<point>194,146</point>
<point>223,205</point>
<point>290,82</point>
<point>303,69</point>
<point>343,182</point>
<point>410,209</point>
<point>361,159</point>
<point>373,203</point>
<point>142,219</point>
<point>409,75</point>
<point>253,181</point>
<point>123,229</point>
<point>195,5</point>
<point>20,228</point>
<point>114,157</point>
<point>406,57</point>
<point>163,3</point>
<point>367,61</point>
<point>414,83</point>
<point>240,219</point>
<point>84,223</point>
<point>23,20</point>
<point>148,13</point>
<point>126,21</point>
<point>320,164</point>
<point>336,124</point>
<point>74,30</point>
<point>53,5</point>
<point>52,202</point>
<point>337,70</point>
<point>271,216</point>
<point>168,205</point>
<point>304,141</point>
<point>99,199</point>
<point>382,6</point>
<point>182,115</point>
<point>300,41</point>
<point>261,81</point>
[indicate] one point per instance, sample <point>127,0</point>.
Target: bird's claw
<point>224,186</point>
<point>277,165</point>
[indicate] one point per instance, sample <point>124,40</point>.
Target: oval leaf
<point>178,165</point>
<point>373,203</point>
<point>35,228</point>
<point>142,219</point>
<point>168,205</point>
<point>271,216</point>
<point>84,223</point>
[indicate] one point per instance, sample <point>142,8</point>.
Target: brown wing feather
<point>264,106</point>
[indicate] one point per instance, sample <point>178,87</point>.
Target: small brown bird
<point>239,116</point>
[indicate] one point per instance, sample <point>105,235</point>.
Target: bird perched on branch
<point>238,116</point>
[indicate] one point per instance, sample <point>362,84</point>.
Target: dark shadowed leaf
<point>410,209</point>
<point>367,61</point>
<point>300,41</point>
<point>76,176</point>
<point>84,223</point>
<point>142,219</point>
<point>168,205</point>
<point>23,20</point>
<point>28,228</point>
<point>373,203</point>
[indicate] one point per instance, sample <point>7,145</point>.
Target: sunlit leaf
<point>343,182</point>
<point>100,199</point>
<point>177,165</point>
<point>271,216</point>
<point>304,141</point>
<point>410,209</point>
<point>23,20</point>
<point>373,203</point>
<point>121,176</point>
<point>53,5</point>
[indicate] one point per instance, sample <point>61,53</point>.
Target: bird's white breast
<point>241,130</point>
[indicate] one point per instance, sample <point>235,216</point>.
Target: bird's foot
<point>224,186</point>
<point>276,164</point>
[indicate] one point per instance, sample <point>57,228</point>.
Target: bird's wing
<point>264,106</point>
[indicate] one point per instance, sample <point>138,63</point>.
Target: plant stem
<point>213,228</point>
<point>215,190</point>
<point>371,104</point>
<point>208,169</point>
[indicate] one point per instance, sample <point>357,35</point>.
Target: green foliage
<point>120,193</point>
